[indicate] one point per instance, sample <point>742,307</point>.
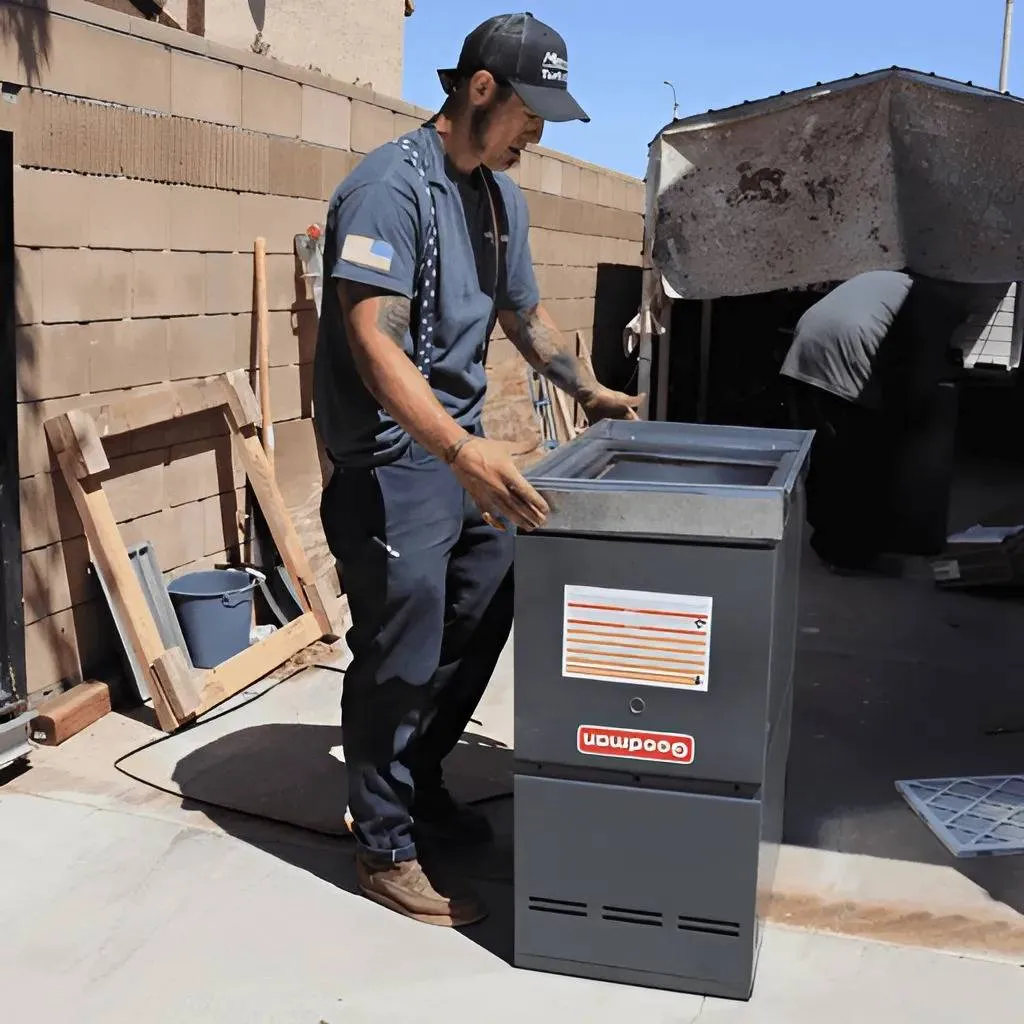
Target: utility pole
<point>1004,66</point>
<point>675,105</point>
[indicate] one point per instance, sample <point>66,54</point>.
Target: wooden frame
<point>76,437</point>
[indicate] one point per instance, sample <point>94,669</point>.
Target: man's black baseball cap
<point>529,56</point>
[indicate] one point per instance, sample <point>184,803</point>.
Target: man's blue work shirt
<point>382,231</point>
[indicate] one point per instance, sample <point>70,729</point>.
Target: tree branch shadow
<point>27,25</point>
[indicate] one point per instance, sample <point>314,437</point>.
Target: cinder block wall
<point>147,162</point>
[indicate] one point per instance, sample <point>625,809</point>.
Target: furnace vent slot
<point>627,915</point>
<point>568,908</point>
<point>706,925</point>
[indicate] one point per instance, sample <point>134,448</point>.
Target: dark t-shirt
<point>479,222</point>
<point>838,340</point>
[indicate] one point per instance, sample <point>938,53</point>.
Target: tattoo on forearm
<point>393,317</point>
<point>546,351</point>
<point>393,311</point>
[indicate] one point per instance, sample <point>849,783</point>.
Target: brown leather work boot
<point>406,889</point>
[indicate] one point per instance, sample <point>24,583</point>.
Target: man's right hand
<point>486,470</point>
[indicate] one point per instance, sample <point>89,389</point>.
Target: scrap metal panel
<point>886,171</point>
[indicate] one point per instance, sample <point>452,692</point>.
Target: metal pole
<point>675,104</point>
<point>1004,66</point>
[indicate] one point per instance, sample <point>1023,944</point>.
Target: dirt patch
<point>903,925</point>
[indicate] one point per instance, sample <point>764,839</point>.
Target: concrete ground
<point>119,907</point>
<point>119,902</point>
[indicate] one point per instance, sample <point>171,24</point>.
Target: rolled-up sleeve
<point>521,291</point>
<point>377,230</point>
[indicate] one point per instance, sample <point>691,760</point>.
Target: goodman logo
<point>666,747</point>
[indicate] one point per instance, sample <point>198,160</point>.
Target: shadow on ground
<point>895,679</point>
<point>898,679</point>
<point>287,775</point>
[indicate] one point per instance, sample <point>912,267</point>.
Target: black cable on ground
<point>213,805</point>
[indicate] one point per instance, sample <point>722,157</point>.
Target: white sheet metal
<point>886,171</point>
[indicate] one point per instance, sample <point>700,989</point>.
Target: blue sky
<point>717,53</point>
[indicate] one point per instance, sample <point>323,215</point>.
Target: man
<point>866,361</point>
<point>428,247</point>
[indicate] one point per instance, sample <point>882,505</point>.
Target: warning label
<point>636,636</point>
<point>605,741</point>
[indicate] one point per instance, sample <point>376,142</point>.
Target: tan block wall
<point>138,198</point>
<point>359,41</point>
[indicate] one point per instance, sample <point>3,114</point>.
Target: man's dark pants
<point>846,482</point>
<point>428,628</point>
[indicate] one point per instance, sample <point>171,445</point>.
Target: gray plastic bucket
<point>215,612</point>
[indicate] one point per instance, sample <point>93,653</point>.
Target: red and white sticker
<point>605,741</point>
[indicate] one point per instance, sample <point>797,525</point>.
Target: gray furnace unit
<point>655,621</point>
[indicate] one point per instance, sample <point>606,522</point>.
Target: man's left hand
<point>605,404</point>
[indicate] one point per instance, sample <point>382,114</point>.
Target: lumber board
<point>179,682</point>
<point>243,407</point>
<point>62,717</point>
<point>224,681</point>
<point>110,553</point>
<point>179,693</point>
<point>172,402</point>
<point>279,523</point>
<point>73,435</point>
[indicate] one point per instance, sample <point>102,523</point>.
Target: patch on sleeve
<point>368,252</point>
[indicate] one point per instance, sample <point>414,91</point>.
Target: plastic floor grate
<point>972,816</point>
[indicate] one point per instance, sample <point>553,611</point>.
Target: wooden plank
<point>282,529</point>
<point>563,403</point>
<point>178,693</point>
<point>62,717</point>
<point>74,435</point>
<point>109,552</point>
<point>583,354</point>
<point>156,407</point>
<point>243,669</point>
<point>243,408</point>
<point>179,682</point>
<point>263,347</point>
